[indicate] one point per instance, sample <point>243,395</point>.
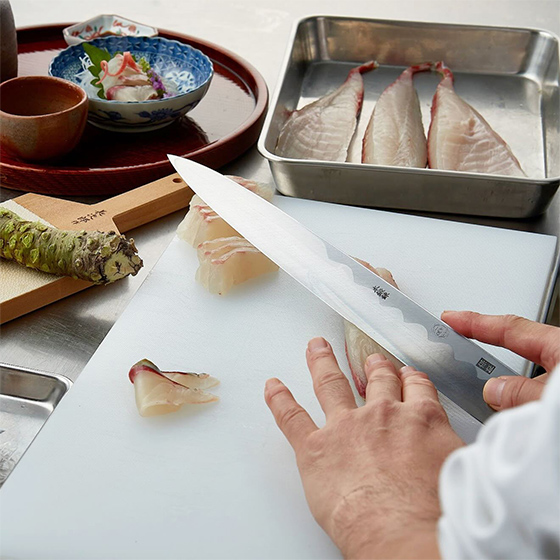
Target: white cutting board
<point>219,480</point>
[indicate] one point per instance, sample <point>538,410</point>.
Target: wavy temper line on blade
<point>435,355</point>
<point>454,378</point>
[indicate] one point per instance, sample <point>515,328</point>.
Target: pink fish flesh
<point>359,345</point>
<point>460,139</point>
<point>395,134</point>
<point>323,129</point>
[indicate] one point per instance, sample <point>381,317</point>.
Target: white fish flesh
<point>156,394</point>
<point>203,224</point>
<point>460,139</point>
<point>226,262</point>
<point>395,133</point>
<point>184,378</point>
<point>359,345</point>
<point>323,129</point>
<point>226,258</point>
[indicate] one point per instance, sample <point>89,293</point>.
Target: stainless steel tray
<point>27,399</point>
<point>509,75</point>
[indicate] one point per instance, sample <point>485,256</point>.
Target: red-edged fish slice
<point>460,139</point>
<point>323,129</point>
<point>127,60</point>
<point>203,224</point>
<point>395,133</point>
<point>159,392</point>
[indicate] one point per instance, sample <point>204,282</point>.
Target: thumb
<point>509,391</point>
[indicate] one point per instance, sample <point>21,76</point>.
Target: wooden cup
<point>41,117</point>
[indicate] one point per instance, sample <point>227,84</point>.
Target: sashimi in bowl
<point>136,84</point>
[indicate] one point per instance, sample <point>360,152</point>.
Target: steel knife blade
<point>457,366</point>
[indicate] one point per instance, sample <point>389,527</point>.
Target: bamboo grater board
<point>24,290</point>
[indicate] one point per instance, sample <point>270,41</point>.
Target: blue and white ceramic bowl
<point>188,68</point>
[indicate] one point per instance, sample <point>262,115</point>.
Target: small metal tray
<point>509,75</point>
<point>27,399</point>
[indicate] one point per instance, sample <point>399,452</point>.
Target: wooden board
<point>120,213</point>
<point>222,127</point>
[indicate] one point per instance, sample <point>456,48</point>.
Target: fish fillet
<point>359,345</point>
<point>395,134</point>
<point>323,129</point>
<point>460,139</point>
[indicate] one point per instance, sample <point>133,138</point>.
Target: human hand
<point>534,341</point>
<point>370,475</point>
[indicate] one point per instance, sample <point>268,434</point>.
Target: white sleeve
<point>500,496</point>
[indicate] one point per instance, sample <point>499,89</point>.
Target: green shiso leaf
<point>96,55</point>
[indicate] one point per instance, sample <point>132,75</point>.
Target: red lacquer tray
<point>224,125</point>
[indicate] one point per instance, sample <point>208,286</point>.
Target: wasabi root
<point>94,256</point>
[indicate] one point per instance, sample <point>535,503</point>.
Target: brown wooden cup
<point>41,117</point>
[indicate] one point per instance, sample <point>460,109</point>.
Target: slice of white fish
<point>155,394</point>
<point>323,129</point>
<point>226,262</point>
<point>460,139</point>
<point>395,133</point>
<point>359,345</point>
<point>201,223</point>
<point>184,378</point>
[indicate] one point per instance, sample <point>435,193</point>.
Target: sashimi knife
<point>457,366</point>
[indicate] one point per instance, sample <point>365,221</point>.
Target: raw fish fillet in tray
<point>508,76</point>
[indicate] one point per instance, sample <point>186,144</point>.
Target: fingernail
<point>449,312</point>
<point>493,390</point>
<point>407,369</point>
<point>317,344</point>
<point>374,359</point>
<point>269,386</point>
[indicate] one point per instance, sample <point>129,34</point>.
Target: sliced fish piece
<point>460,139</point>
<point>395,133</point>
<point>229,261</point>
<point>201,222</point>
<point>323,129</point>
<point>359,345</point>
<point>156,394</point>
<point>184,378</point>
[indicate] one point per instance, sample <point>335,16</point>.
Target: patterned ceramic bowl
<point>103,26</point>
<point>189,69</point>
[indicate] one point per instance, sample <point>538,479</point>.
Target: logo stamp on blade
<point>440,330</point>
<point>381,292</point>
<point>485,366</point>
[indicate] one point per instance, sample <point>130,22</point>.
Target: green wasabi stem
<point>95,256</point>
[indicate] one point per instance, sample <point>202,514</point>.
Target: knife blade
<point>457,366</point>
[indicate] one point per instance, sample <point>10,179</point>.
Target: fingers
<point>409,387</point>
<point>292,419</point>
<point>507,392</point>
<point>329,383</point>
<point>534,341</point>
<point>383,382</point>
<point>416,386</point>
